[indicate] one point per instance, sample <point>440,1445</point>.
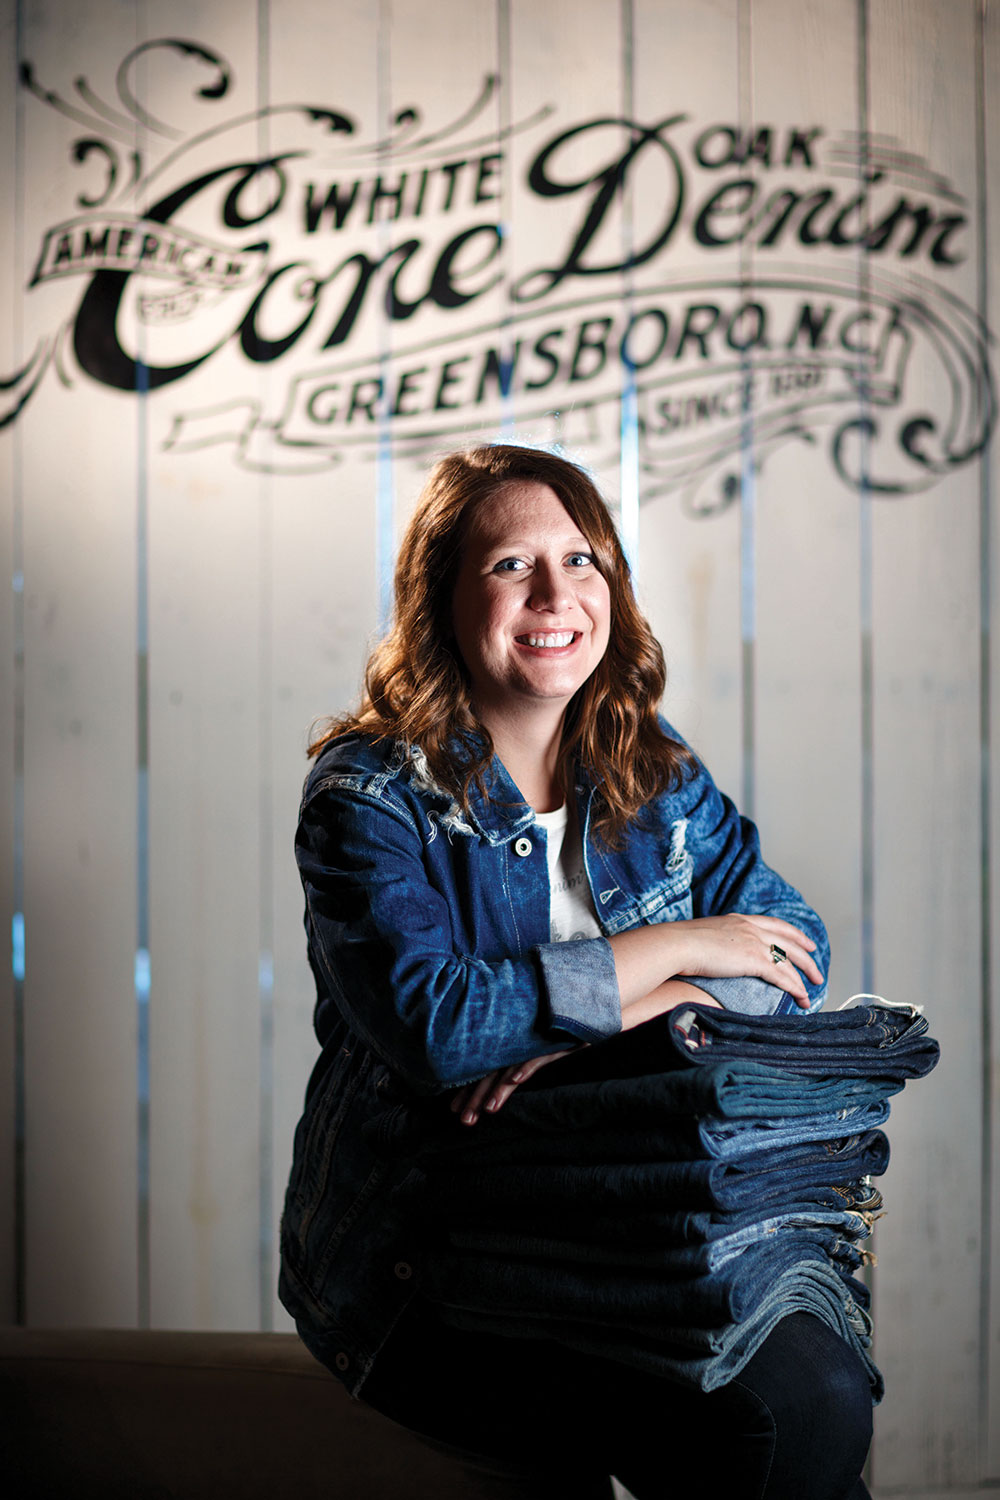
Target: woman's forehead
<point>521,510</point>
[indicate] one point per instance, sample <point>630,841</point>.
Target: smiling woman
<point>531,615</point>
<point>512,707</point>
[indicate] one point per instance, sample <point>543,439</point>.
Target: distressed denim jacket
<point>428,936</point>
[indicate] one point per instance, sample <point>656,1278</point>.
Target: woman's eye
<point>509,565</point>
<point>580,560</point>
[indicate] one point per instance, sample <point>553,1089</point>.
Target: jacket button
<point>522,847</point>
<point>341,1361</point>
<point>402,1270</point>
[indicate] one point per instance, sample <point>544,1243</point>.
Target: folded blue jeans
<point>867,1041</point>
<point>663,1252</point>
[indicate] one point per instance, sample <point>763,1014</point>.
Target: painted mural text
<point>630,240</point>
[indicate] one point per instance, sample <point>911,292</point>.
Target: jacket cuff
<point>581,985</point>
<point>753,997</point>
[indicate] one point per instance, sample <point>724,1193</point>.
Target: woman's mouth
<point>548,640</point>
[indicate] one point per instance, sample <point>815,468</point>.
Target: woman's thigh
<point>534,1419</point>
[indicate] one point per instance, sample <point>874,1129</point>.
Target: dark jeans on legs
<point>538,1422</point>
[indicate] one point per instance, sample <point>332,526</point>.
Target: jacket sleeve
<point>730,874</point>
<point>381,944</point>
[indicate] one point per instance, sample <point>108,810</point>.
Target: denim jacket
<point>428,936</point>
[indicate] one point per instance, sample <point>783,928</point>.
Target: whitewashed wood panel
<point>209,618</point>
<point>79,486</point>
<point>268,544</point>
<point>323,555</point>
<point>807,563</point>
<point>686,63</point>
<point>927,812</point>
<point>989,1402</point>
<point>565,68</point>
<point>10,501</point>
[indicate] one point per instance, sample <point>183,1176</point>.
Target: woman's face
<point>531,612</point>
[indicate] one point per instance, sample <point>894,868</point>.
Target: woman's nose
<point>549,591</point>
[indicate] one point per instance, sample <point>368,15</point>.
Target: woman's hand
<point>735,945</point>
<point>493,1091</point>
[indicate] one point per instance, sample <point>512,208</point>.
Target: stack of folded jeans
<point>666,1197</point>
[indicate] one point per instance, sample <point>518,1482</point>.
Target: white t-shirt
<point>572,914</point>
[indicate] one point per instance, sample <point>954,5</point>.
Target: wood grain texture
<point>265,561</point>
<point>80,783</point>
<point>927,819</point>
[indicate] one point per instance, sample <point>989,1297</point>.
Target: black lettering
<point>668,416</point>
<point>95,244</point>
<point>744,190</point>
<point>327,414</point>
<point>542,350</point>
<point>838,235</point>
<point>729,149</point>
<point>406,388</point>
<point>232,215</point>
<point>125,237</point>
<point>261,350</point>
<point>449,378</point>
<point>443,289</point>
<point>381,194</point>
<point>150,245</point>
<point>336,205</point>
<point>783,203</point>
<point>597,345</point>
<point>608,185</point>
<point>418,206</point>
<point>882,233</point>
<point>760,146</point>
<point>692,331</point>
<point>451,170</point>
<point>64,251</point>
<point>861,345</point>
<point>95,332</point>
<point>811,325</point>
<point>366,268</point>
<point>488,167</point>
<point>819,199</point>
<point>499,369</point>
<point>394,304</point>
<point>800,144</point>
<point>367,405</point>
<point>939,253</point>
<point>751,313</point>
<point>660,320</point>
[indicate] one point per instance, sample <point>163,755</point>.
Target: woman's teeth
<point>560,638</point>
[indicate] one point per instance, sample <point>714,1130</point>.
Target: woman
<point>507,783</point>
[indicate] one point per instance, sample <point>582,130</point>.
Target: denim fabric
<point>428,936</point>
<point>552,1136</point>
<point>663,1252</point>
<point>710,1358</point>
<point>489,1225</point>
<point>777,1176</point>
<point>734,1252</point>
<point>609,1298</point>
<point>869,1041</point>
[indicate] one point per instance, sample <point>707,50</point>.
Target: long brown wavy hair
<point>416,685</point>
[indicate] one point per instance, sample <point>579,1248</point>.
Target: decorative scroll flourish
<point>370,262</point>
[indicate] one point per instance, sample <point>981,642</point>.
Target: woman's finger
<point>469,1101</point>
<point>512,1077</point>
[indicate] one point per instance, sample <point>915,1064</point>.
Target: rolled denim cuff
<point>581,985</point>
<point>753,997</point>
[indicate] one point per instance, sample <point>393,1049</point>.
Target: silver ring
<point>778,955</point>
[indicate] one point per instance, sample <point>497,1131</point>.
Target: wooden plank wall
<point>199,567</point>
